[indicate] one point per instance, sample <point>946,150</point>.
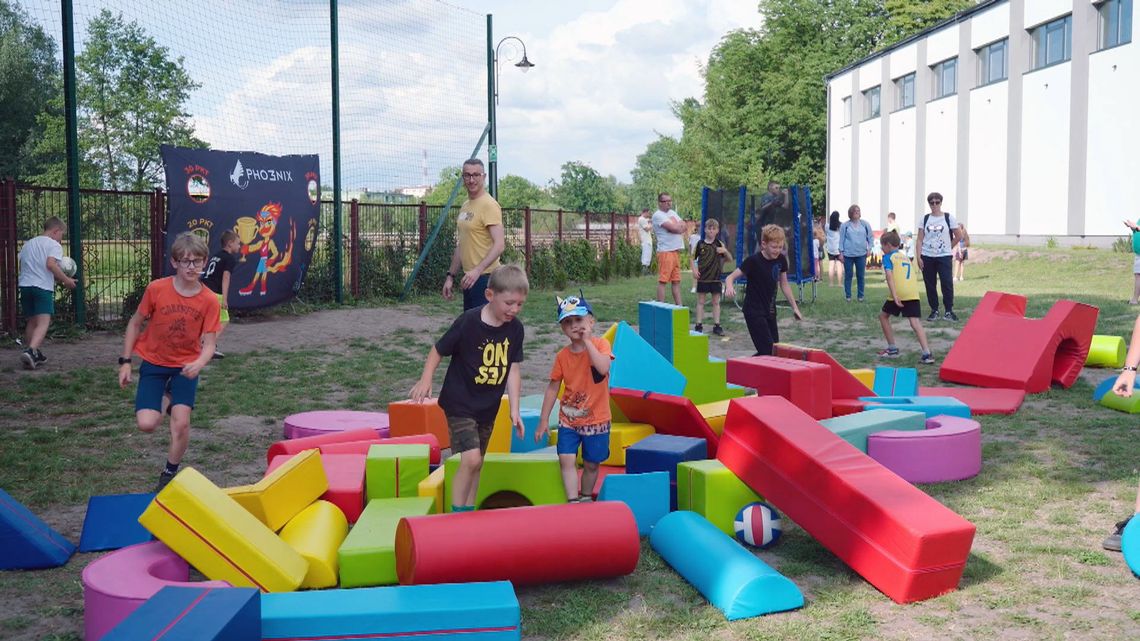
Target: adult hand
<point>124,375</point>
<point>729,290</point>
<point>448,283</point>
<point>1124,384</point>
<point>469,279</point>
<point>918,261</point>
<point>540,433</point>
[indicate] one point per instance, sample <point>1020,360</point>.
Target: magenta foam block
<point>321,422</point>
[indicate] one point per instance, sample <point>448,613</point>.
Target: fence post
<point>527,244</point>
<point>613,231</point>
<point>559,225</point>
<point>155,237</point>
<point>587,217</point>
<point>423,226</point>
<point>354,247</point>
<point>8,249</point>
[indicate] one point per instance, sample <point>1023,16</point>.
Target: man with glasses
<point>669,230</point>
<point>479,239</point>
<point>937,237</point>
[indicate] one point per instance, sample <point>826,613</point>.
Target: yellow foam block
<point>285,491</point>
<point>197,520</point>
<point>865,376</point>
<point>433,486</point>
<point>501,432</point>
<point>316,534</point>
<point>622,435</point>
<point>714,414</point>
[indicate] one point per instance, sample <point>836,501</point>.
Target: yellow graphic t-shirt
<point>475,216</point>
<point>905,275</point>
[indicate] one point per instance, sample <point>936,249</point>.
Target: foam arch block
<point>855,428</point>
<point>515,544</point>
<point>1130,545</point>
<point>319,422</point>
<point>1129,405</point>
<point>220,538</point>
<point>468,611</point>
<point>198,614</point>
<point>668,414</point>
<point>368,555</point>
<point>116,584</point>
<point>285,491</point>
<point>710,489</point>
<point>1000,347</point>
<point>26,542</point>
<point>1106,351</point>
<point>949,449</point>
<point>647,496</point>
<point>536,478</point>
<point>1105,387</point>
<point>733,579</point>
<point>316,534</point>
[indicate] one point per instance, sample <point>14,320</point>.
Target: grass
<point>1056,475</point>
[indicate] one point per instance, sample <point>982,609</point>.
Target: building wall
<point>1112,179</point>
<point>989,139</point>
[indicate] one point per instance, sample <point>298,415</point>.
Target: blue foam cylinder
<point>198,614</point>
<point>26,542</point>
<point>733,579</point>
<point>469,611</point>
<point>1130,545</point>
<point>647,496</point>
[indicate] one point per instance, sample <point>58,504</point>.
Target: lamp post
<point>495,61</point>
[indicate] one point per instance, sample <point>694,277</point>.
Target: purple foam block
<point>328,421</point>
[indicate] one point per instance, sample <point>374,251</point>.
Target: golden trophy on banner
<point>246,229</point>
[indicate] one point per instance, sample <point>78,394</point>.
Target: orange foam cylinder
<point>592,541</point>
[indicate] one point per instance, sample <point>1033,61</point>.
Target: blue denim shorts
<point>595,447</point>
<point>155,380</point>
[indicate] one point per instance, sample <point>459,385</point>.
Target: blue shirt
<point>855,238</point>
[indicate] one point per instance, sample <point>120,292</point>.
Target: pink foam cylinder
<point>949,449</point>
<point>115,585</point>
<point>523,545</point>
<point>327,421</point>
<point>362,447</point>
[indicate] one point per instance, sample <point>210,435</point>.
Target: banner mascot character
<point>271,260</point>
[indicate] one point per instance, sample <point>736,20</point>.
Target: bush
<point>1122,245</point>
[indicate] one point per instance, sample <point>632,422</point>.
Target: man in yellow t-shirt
<point>479,239</point>
<point>902,285</point>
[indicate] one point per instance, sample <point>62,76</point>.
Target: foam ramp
<point>637,365</point>
<point>112,522</point>
<point>26,542</point>
<point>733,579</point>
<point>981,400</point>
<point>345,476</point>
<point>668,414</point>
<point>194,614</point>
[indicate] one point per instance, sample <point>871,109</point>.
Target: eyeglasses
<point>192,262</point>
<point>467,175</point>
<point>934,202</point>
<point>665,200</point>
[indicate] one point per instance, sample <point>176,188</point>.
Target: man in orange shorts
<point>669,230</point>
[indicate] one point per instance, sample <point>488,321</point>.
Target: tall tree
<point>29,77</point>
<point>516,192</point>
<point>582,188</point>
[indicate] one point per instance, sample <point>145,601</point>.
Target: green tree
<point>582,188</point>
<point>655,170</point>
<point>442,190</point>
<point>29,78</point>
<point>131,94</point>
<point>516,192</point>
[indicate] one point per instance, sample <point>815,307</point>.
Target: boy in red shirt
<point>181,317</point>
<point>584,414</point>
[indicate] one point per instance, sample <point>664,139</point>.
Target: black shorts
<point>909,309</point>
<point>709,287</point>
<point>833,257</point>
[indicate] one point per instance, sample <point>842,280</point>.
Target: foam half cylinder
<point>515,545</point>
<point>729,576</point>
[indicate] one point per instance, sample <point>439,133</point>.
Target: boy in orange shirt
<point>584,417</point>
<point>181,317</point>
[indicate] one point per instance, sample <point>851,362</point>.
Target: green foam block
<point>535,477</point>
<point>368,554</point>
<point>395,471</point>
<point>1130,405</point>
<point>855,428</point>
<point>713,491</point>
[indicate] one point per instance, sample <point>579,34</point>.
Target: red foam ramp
<point>361,447</point>
<point>668,414</point>
<point>900,540</point>
<point>843,383</point>
<point>345,474</point>
<point>806,384</point>
<point>981,400</point>
<point>999,347</point>
<point>523,545</point>
<point>296,445</point>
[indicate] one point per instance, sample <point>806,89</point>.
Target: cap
<point>573,306</point>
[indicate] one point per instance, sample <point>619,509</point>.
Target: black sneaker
<point>699,328</point>
<point>29,358</point>
<point>718,330</point>
<point>1112,541</point>
<point>950,316</point>
<point>40,358</point>
<point>927,359</point>
<point>933,316</point>
<point>163,479</point>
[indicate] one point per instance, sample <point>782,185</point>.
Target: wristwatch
<point>449,275</point>
<point>124,361</point>
<point>1129,368</point>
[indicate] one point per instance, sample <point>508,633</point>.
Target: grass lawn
<point>1055,476</point>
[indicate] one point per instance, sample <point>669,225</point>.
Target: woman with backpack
<point>937,237</point>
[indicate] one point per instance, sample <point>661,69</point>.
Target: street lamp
<point>493,100</point>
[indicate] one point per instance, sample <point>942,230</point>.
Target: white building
<point>1017,111</point>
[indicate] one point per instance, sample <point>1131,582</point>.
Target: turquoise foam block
<point>26,542</point>
<point>112,522</point>
<point>647,496</point>
<point>931,406</point>
<point>198,614</point>
<point>530,426</point>
<point>896,381</point>
<point>470,611</point>
<point>1130,545</point>
<point>855,428</point>
<point>639,367</point>
<point>733,579</point>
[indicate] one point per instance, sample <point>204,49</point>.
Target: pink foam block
<point>345,473</point>
<point>332,421</point>
<point>115,585</point>
<point>949,449</point>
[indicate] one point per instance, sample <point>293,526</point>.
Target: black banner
<point>272,203</point>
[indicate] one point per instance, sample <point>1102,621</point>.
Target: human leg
<point>919,333</point>
<point>758,330</point>
<point>589,480</point>
<point>861,274</point>
<point>466,482</point>
<point>930,280</point>
<point>476,296</point>
<point>36,330</point>
<point>595,449</point>
<point>1136,281</point>
<point>848,272</point>
<point>885,323</point>
<point>568,443</point>
<point>946,275</point>
<point>716,309</point>
<point>700,312</point>
<point>677,292</point>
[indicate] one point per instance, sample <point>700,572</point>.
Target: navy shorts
<point>595,447</point>
<point>155,380</point>
<point>476,296</point>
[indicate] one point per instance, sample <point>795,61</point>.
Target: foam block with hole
<point>535,478</point>
<point>321,422</point>
<point>647,496</point>
<point>407,418</point>
<point>368,554</point>
<point>285,491</point>
<point>316,534</point>
<point>345,475</point>
<point>26,542</point>
<point>394,471</point>
<point>112,522</point>
<point>713,491</point>
<point>198,614</point>
<point>855,428</point>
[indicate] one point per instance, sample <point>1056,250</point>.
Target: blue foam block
<point>530,426</point>
<point>638,366</point>
<point>469,611</point>
<point>896,381</point>
<point>1105,387</point>
<point>733,579</point>
<point>931,406</point>
<point>194,614</point>
<point>112,522</point>
<point>1130,545</point>
<point>26,542</point>
<point>647,495</point>
<point>662,453</point>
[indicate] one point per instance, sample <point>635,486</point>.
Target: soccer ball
<point>757,524</point>
<point>67,264</point>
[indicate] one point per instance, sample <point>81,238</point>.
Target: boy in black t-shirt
<point>764,270</point>
<point>708,262</point>
<point>484,344</point>
<point>216,276</point>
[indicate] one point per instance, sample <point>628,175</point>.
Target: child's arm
<point>726,252</point>
<point>1127,378</point>
<point>599,361</point>
<point>787,289</point>
<point>134,328</point>
<point>514,392</point>
<point>209,343</point>
<point>729,290</point>
<point>225,289</point>
<point>422,388</point>
<point>547,407</point>
<point>887,271</point>
<point>57,273</point>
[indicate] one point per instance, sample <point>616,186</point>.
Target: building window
<point>871,103</point>
<point>992,62</point>
<point>1053,42</point>
<point>847,111</point>
<point>1115,23</point>
<point>904,87</point>
<point>945,78</point>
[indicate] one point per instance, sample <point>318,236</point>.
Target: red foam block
<point>295,445</point>
<point>981,400</point>
<point>668,414</point>
<point>806,384</point>
<point>523,545</point>
<point>345,473</point>
<point>843,383</point>
<point>361,447</point>
<point>898,538</point>
<point>999,347</point>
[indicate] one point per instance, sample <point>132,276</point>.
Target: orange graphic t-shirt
<point>175,323</point>
<point>585,404</point>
